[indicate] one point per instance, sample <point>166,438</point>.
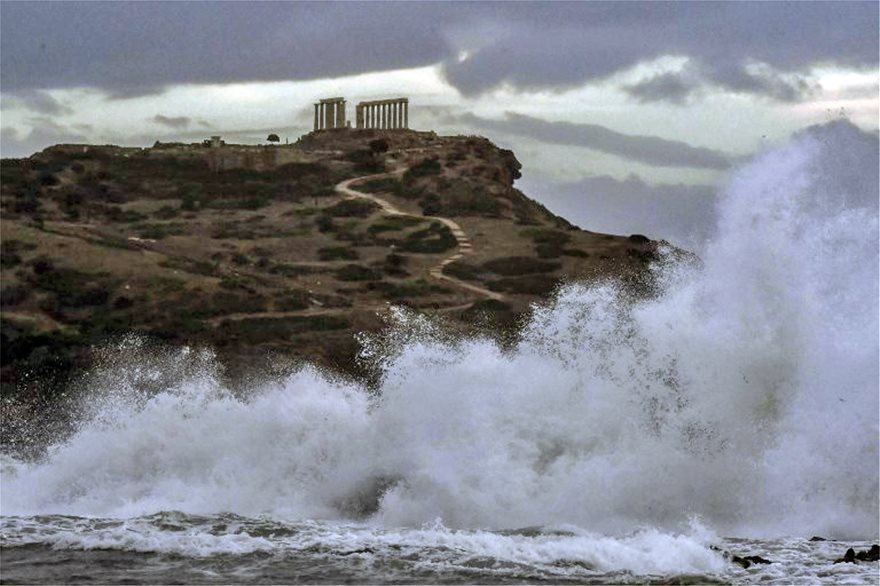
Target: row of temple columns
<point>383,114</point>
<point>330,113</point>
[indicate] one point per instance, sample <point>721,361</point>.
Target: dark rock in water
<point>848,558</point>
<point>817,538</point>
<point>869,555</point>
<point>748,560</point>
<point>744,561</point>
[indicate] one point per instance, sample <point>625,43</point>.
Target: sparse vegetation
<point>520,265</point>
<point>353,272</point>
<point>434,239</point>
<point>337,253</point>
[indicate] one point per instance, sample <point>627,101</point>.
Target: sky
<point>627,116</point>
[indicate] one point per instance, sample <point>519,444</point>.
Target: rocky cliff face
<point>255,252</point>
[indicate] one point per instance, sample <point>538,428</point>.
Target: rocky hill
<point>272,255</point>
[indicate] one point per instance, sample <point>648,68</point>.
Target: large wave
<point>744,394</point>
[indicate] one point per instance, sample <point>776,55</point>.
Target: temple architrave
<point>379,114</point>
<point>383,114</point>
<point>330,113</point>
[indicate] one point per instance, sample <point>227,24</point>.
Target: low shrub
<point>434,239</point>
<point>520,265</point>
<point>355,272</point>
<point>14,294</point>
<point>394,224</point>
<point>160,231</point>
<point>462,270</point>
<point>348,208</point>
<point>424,168</point>
<point>265,329</point>
<point>292,300</point>
<point>337,253</point>
<point>525,285</point>
<point>406,289</point>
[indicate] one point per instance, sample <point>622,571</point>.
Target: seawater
<point>617,439</point>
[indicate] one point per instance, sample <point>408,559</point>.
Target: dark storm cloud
<point>650,150</point>
<point>681,214</point>
<point>172,122</point>
<point>133,48</point>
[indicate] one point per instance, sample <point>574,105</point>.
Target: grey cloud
<point>681,214</point>
<point>172,122</point>
<point>590,41</point>
<point>133,48</point>
<point>37,101</point>
<point>14,143</point>
<point>650,150</point>
<point>674,88</point>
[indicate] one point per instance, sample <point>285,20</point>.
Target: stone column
<point>395,109</point>
<point>316,117</point>
<point>341,119</point>
<point>406,114</point>
<point>385,116</point>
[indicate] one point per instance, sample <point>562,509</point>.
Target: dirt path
<point>464,244</point>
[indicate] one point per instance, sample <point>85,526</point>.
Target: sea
<point>619,438</point>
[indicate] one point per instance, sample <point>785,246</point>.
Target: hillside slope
<point>272,255</point>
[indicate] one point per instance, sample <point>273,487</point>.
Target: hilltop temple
<point>379,114</point>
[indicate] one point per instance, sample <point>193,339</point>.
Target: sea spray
<point>744,394</point>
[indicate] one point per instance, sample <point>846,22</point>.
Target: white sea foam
<point>745,395</point>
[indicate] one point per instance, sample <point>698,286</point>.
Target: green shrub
<point>324,224</point>
<point>434,239</point>
<point>265,329</point>
<point>348,208</point>
<point>14,294</point>
<point>355,272</point>
<point>116,214</point>
<point>489,309</point>
<point>424,168</point>
<point>548,243</point>
<point>525,285</point>
<point>160,231</point>
<point>394,224</point>
<point>9,252</point>
<point>520,265</point>
<point>575,253</point>
<point>381,185</point>
<point>292,300</point>
<point>406,289</point>
<point>166,213</point>
<point>365,161</point>
<point>462,270</point>
<point>337,253</point>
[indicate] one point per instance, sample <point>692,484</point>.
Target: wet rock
<point>848,558</point>
<point>817,538</point>
<point>869,555</point>
<point>748,560</point>
<point>744,561</point>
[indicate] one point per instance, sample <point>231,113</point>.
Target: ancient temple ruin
<point>379,114</point>
<point>383,114</point>
<point>330,113</point>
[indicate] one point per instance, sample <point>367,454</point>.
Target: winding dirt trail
<point>463,248</point>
